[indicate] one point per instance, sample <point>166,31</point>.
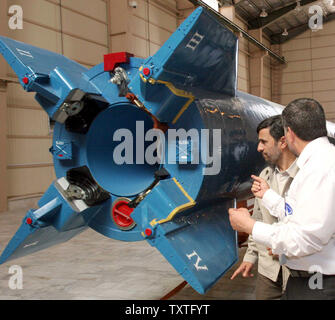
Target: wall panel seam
<point>83,14</point>
<point>154,24</point>
<point>15,106</point>
<point>147,39</point>
<point>22,136</point>
<point>63,32</point>
<point>172,14</point>
<point>28,165</point>
<point>27,195</point>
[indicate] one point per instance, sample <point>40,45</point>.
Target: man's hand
<point>259,187</point>
<point>245,267</point>
<point>240,220</point>
<point>270,253</point>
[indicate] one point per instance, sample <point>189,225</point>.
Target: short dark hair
<point>306,118</point>
<point>275,126</point>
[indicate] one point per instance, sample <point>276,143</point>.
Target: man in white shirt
<point>305,233</point>
<point>281,169</point>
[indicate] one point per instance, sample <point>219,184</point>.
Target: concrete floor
<point>91,266</point>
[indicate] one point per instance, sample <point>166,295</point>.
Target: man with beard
<point>305,233</point>
<point>272,277</point>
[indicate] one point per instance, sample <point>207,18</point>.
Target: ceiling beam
<point>293,32</point>
<point>260,22</point>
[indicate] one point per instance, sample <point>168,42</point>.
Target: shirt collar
<point>291,171</point>
<point>310,149</point>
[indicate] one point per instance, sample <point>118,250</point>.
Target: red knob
<point>146,71</point>
<point>29,221</point>
<point>25,80</point>
<point>148,232</point>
